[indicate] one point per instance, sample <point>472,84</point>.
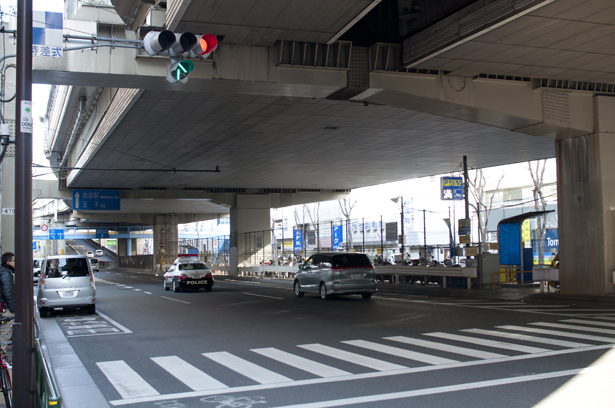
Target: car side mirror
<point>326,264</point>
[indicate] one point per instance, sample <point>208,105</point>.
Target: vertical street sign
<point>298,240</point>
<point>338,236</point>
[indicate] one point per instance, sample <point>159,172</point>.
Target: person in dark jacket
<point>7,295</point>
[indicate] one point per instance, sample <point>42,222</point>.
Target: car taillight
<point>208,275</point>
<point>183,276</point>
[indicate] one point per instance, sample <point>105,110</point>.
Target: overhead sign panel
<point>96,200</point>
<point>56,234</point>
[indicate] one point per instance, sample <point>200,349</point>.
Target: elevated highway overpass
<point>305,101</point>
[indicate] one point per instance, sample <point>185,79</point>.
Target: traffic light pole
<point>23,338</point>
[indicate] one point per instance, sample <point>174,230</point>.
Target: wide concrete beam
<point>515,105</point>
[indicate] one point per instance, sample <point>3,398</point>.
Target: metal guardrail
<point>47,394</point>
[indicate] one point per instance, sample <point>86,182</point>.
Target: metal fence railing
<point>47,394</point>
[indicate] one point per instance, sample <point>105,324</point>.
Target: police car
<point>188,272</point>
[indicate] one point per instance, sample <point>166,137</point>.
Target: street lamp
<point>395,200</point>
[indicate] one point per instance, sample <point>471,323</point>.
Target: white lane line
<point>354,358</point>
<point>126,381</point>
<point>301,363</point>
<point>450,388</point>
<point>265,296</point>
<point>255,372</point>
<point>595,323</point>
<point>175,300</point>
<point>399,352</point>
<point>559,333</point>
<point>113,322</point>
<point>185,372</point>
<point>445,347</point>
<point>149,293</point>
<point>571,327</point>
<point>523,337</point>
<point>488,343</point>
<point>364,376</point>
<point>137,290</point>
<point>522,306</point>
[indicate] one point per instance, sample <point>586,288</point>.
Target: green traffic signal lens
<point>182,69</point>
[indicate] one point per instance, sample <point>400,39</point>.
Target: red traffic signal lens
<point>208,43</point>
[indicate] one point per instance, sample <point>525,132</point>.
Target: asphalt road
<point>252,343</point>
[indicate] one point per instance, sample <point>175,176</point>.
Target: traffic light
<point>178,70</point>
<point>179,46</point>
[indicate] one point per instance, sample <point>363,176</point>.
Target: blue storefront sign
<point>338,236</point>
<point>452,188</point>
<point>96,200</point>
<point>298,240</point>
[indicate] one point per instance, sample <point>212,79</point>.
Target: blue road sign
<point>338,236</point>
<point>56,234</point>
<point>102,233</point>
<point>34,245</point>
<point>97,200</point>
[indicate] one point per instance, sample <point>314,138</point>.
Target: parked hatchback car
<point>336,273</point>
<point>66,281</point>
<point>188,272</point>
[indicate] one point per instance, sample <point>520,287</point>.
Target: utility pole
<point>23,344</point>
<point>424,237</point>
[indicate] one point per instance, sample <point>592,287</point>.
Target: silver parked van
<point>66,281</point>
<point>336,273</point>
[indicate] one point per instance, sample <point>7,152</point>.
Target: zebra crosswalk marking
<point>571,327</point>
<point>595,323</point>
<point>489,343</point>
<point>126,381</point>
<point>445,347</point>
<point>188,374</point>
<point>354,358</point>
<point>399,352</point>
<point>524,337</point>
<point>559,333</point>
<point>301,363</point>
<point>255,372</point>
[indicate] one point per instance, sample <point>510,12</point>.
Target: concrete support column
<point>165,233</point>
<point>586,206</point>
<point>250,223</point>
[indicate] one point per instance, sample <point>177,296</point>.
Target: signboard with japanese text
<point>451,188</point>
<point>96,200</point>
<point>338,236</point>
<point>56,233</point>
<point>102,233</point>
<point>298,240</point>
<point>48,28</point>
<point>464,227</point>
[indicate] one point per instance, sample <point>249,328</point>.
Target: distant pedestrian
<point>7,295</point>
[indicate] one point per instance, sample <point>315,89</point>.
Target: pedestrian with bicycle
<point>7,295</point>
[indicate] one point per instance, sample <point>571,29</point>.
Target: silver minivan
<point>66,281</point>
<point>336,273</point>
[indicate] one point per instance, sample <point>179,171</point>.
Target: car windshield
<point>67,267</point>
<point>192,266</point>
<point>93,261</point>
<point>351,260</point>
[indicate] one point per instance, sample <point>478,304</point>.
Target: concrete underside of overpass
<point>296,113</point>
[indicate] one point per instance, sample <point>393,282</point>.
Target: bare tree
<point>346,205</point>
<point>314,215</point>
<point>540,203</point>
<point>482,202</point>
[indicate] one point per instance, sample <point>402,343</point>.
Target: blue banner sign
<point>452,188</point>
<point>298,240</point>
<point>96,200</point>
<point>338,236</point>
<point>56,234</point>
<point>34,245</point>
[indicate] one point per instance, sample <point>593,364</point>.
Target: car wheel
<point>91,309</point>
<point>366,295</point>
<point>297,289</point>
<point>175,286</point>
<point>323,292</point>
<point>43,311</point>
<point>164,284</point>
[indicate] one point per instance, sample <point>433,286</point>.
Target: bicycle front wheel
<point>7,389</point>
